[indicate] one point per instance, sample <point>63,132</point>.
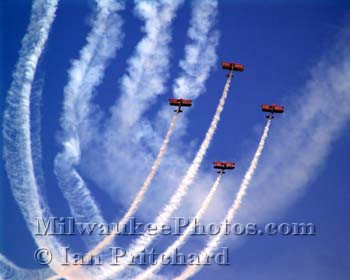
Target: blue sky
<point>280,44</point>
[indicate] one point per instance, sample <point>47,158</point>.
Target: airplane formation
<point>271,109</point>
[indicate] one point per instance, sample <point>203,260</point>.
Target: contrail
<point>16,131</point>
<point>214,242</point>
<point>200,52</point>
<point>181,191</point>
<point>137,201</point>
<point>85,75</point>
<point>185,235</point>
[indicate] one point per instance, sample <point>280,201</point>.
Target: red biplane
<point>232,66</point>
<point>180,103</point>
<point>222,165</point>
<point>272,109</point>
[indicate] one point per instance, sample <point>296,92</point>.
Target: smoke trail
<point>181,191</point>
<point>186,234</point>
<point>85,74</point>
<point>148,67</point>
<point>35,121</point>
<point>214,242</point>
<point>8,270</point>
<point>138,199</point>
<point>200,55</point>
<point>140,195</point>
<point>142,140</point>
<point>146,74</point>
<point>16,130</point>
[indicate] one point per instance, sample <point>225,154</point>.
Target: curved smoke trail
<point>200,54</point>
<point>137,201</point>
<point>185,235</point>
<point>35,126</point>
<point>8,270</point>
<point>85,74</point>
<point>181,191</point>
<point>153,52</point>
<point>131,131</point>
<point>16,130</point>
<point>148,67</point>
<point>310,137</point>
<point>140,195</point>
<point>215,241</point>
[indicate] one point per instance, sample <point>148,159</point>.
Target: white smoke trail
<point>214,242</point>
<point>185,235</point>
<point>16,130</point>
<point>310,131</point>
<point>140,195</point>
<point>142,140</point>
<point>200,55</point>
<point>85,74</point>
<point>35,127</point>
<point>8,270</point>
<point>146,74</point>
<point>137,201</point>
<point>148,67</point>
<point>181,191</point>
